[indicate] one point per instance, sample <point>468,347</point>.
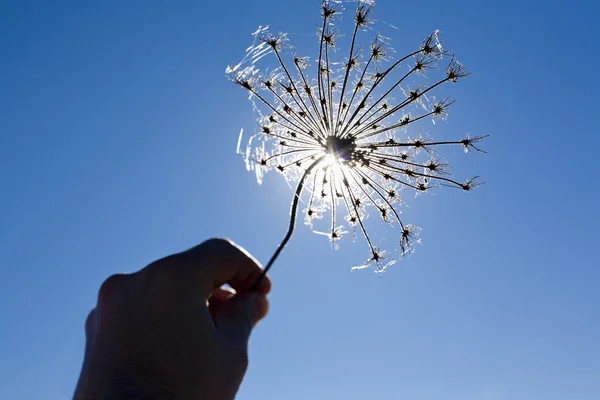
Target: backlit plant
<point>346,132</point>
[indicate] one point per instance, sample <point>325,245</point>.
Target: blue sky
<point>117,146</point>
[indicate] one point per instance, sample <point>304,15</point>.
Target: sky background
<point>118,132</point>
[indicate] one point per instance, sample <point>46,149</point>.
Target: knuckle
<point>113,287</point>
<point>163,276</point>
<point>90,322</point>
<point>217,244</point>
<point>161,271</point>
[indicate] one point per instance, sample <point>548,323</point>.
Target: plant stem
<point>293,214</point>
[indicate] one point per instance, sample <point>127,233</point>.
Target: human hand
<point>169,331</point>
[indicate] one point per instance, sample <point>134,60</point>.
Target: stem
<point>293,213</point>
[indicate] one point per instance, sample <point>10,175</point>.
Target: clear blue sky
<point>117,146</point>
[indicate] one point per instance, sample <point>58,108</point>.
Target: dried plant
<point>340,133</point>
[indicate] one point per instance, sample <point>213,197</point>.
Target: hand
<point>170,331</point>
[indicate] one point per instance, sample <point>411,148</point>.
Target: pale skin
<point>171,331</point>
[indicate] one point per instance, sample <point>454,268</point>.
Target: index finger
<point>216,262</point>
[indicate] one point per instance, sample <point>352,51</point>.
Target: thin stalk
<point>293,213</point>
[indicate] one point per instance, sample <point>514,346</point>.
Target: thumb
<point>238,315</point>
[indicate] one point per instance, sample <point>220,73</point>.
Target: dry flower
<point>341,135</point>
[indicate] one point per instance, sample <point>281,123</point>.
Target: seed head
<point>339,127</point>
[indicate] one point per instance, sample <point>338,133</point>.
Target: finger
<point>219,261</point>
<point>206,267</point>
<point>219,297</point>
<point>238,315</point>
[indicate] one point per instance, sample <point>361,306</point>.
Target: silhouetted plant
<point>341,135</point>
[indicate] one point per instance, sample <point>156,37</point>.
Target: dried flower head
<point>338,130</point>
